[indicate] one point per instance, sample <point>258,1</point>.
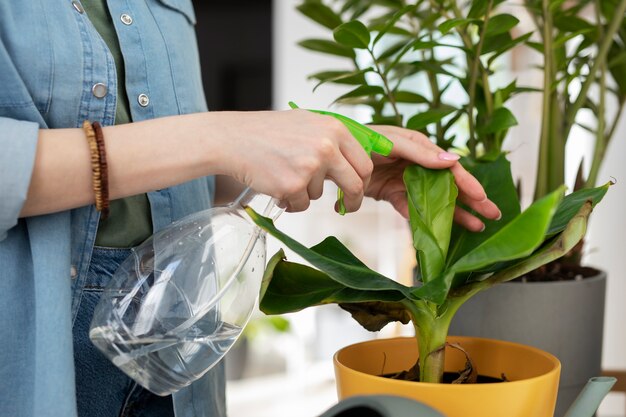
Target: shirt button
<point>73,272</point>
<point>126,19</point>
<point>78,7</point>
<point>143,100</point>
<point>99,90</point>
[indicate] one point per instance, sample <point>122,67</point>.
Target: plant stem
<point>473,80</point>
<point>551,164</point>
<point>431,331</point>
<point>557,248</point>
<point>388,90</point>
<point>600,59</point>
<point>600,151</point>
<point>436,93</point>
<point>601,136</point>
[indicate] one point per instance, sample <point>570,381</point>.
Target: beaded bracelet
<point>104,171</point>
<point>99,167</point>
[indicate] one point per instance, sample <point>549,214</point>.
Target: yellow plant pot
<point>531,392</point>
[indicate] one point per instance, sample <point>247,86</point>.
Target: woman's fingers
<point>298,202</point>
<point>468,220</point>
<point>417,148</point>
<point>345,176</point>
<point>472,193</point>
<point>485,207</point>
<point>316,186</point>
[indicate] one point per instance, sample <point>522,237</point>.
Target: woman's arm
<point>282,154</point>
<point>285,154</point>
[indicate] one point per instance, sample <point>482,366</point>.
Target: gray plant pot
<point>564,318</point>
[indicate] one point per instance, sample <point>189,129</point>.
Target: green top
<point>129,222</point>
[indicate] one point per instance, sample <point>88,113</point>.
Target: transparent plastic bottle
<point>175,307</point>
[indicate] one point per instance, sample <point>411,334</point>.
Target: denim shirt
<point>51,57</point>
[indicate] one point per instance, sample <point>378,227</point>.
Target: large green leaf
<point>288,287</point>
<point>352,34</point>
<point>431,197</point>
<point>497,181</point>
<point>572,203</point>
<point>552,250</point>
<point>334,259</point>
<point>519,238</point>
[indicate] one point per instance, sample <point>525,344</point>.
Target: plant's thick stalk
<point>432,351</point>
<point>431,330</point>
<point>549,146</point>
<point>601,136</point>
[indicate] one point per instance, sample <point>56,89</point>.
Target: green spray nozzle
<point>369,139</point>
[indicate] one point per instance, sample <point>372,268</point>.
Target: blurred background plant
<point>411,64</point>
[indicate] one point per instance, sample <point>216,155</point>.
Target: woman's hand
<point>289,154</point>
<point>412,147</point>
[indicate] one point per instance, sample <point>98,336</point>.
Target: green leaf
<point>519,238</point>
<point>501,119</point>
<point>502,43</point>
<point>431,196</point>
<point>572,203</point>
<point>419,45</point>
<point>332,258</point>
<point>450,24</point>
<point>327,47</point>
<point>537,46</point>
<point>352,34</point>
<point>409,97</point>
<point>496,179</point>
<point>340,77</point>
<point>500,24</point>
<point>508,46</point>
<point>573,24</point>
<point>320,13</point>
<point>288,287</point>
<point>421,120</point>
<point>552,250</point>
<point>361,91</point>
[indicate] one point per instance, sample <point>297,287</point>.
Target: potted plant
<point>454,265</point>
<point>436,66</point>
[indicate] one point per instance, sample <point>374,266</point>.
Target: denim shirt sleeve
<point>18,144</point>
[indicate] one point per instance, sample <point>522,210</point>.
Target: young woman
<point>133,67</point>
